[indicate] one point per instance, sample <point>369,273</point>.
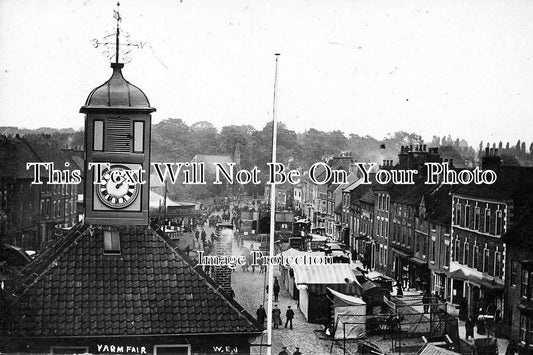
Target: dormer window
<point>111,242</point>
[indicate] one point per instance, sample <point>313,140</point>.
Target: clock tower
<point>117,152</point>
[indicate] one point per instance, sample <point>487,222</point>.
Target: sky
<point>368,67</point>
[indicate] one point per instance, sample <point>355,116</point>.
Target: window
<point>525,283</point>
<point>68,350</point>
<point>458,214</point>
<point>433,250</point>
<point>530,294</point>
<point>111,242</point>
<point>523,329</point>
<point>486,257</point>
<point>466,255</point>
<point>183,349</point>
<point>446,255</point>
<point>486,228</point>
<point>467,216</point>
<point>98,136</point>
<point>456,251</point>
<point>475,257</point>
<point>498,264</point>
<point>499,222</point>
<point>477,218</point>
<point>514,272</point>
<point>138,137</point>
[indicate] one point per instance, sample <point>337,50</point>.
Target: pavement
<point>250,292</point>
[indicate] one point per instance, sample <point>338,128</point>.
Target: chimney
<point>403,157</point>
<point>223,247</point>
<point>491,160</point>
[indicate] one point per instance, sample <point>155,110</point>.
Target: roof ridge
<point>43,263</point>
<point>212,283</point>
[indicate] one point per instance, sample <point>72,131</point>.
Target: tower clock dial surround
<point>117,191</point>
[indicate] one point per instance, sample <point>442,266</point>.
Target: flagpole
<point>272,215</point>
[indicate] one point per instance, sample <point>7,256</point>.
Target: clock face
<point>117,191</point>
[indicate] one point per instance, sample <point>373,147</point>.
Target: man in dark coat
<point>290,316</point>
<point>276,317</point>
<point>197,237</point>
<point>261,314</point>
<point>276,289</point>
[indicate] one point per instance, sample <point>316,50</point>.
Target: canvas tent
<point>348,315</point>
<point>312,282</point>
<point>287,274</point>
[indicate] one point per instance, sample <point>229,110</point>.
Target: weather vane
<point>127,46</point>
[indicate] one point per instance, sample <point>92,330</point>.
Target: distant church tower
<point>117,131</point>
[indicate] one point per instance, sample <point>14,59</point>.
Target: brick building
<point>519,283</point>
<point>481,215</point>
<point>31,215</point>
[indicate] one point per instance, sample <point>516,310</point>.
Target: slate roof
<point>368,197</point>
<point>513,182</point>
<point>439,204</point>
<point>14,154</point>
<point>73,289</point>
<point>409,194</point>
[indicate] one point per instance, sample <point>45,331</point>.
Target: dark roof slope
<point>149,289</point>
<point>14,154</point>
<point>520,233</point>
<point>512,182</point>
<point>439,204</point>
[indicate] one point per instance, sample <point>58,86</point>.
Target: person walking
<point>289,315</point>
<point>276,289</point>
<point>469,327</point>
<point>261,314</point>
<point>297,352</point>
<point>276,317</point>
<point>212,237</point>
<point>283,351</point>
<point>399,290</point>
<point>426,299</point>
<point>197,237</point>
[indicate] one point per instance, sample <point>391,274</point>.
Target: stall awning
<point>323,274</point>
<point>345,300</point>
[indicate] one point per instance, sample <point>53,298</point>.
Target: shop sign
<point>225,349</point>
<point>121,349</point>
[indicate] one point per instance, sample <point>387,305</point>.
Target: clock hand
<point>119,184</point>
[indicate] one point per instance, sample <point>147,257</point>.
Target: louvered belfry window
<point>118,135</point>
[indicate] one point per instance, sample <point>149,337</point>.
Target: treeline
<point>175,141</point>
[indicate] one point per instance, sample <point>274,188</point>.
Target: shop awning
<point>418,261</point>
<point>476,278</point>
<point>458,274</point>
<point>401,253</point>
